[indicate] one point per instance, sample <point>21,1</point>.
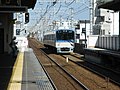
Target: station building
<point>7,20</point>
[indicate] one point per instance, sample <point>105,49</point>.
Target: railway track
<point>95,64</point>
<point>90,79</point>
<point>98,69</point>
<point>68,82</point>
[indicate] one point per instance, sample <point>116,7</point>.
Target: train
<point>63,40</point>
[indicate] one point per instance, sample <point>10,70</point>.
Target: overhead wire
<point>48,7</point>
<point>51,6</point>
<point>58,10</point>
<point>70,3</point>
<point>77,12</point>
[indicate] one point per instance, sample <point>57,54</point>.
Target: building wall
<point>106,22</point>
<point>104,41</point>
<point>115,23</point>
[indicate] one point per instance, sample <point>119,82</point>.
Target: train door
<point>1,40</point>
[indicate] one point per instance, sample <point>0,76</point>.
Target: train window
<point>48,37</point>
<point>65,35</point>
<point>70,31</point>
<point>44,37</point>
<point>52,36</point>
<point>65,31</point>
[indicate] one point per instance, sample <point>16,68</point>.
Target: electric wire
<point>48,9</point>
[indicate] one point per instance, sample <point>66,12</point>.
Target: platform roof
<point>18,3</point>
<point>112,5</point>
<point>28,3</point>
<point>12,7</point>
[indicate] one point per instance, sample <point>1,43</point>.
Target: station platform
<point>28,74</point>
<point>103,56</point>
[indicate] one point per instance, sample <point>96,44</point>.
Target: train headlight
<point>58,44</point>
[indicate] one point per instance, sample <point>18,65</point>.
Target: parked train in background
<point>62,40</point>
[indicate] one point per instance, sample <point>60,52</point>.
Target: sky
<point>47,11</point>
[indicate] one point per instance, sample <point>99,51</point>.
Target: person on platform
<point>14,47</point>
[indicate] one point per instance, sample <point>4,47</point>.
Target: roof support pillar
<point>119,31</point>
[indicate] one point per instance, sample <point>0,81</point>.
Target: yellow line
<point>16,78</point>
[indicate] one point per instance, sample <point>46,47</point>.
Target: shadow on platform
<point>6,66</point>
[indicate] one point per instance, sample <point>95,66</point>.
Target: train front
<point>65,41</point>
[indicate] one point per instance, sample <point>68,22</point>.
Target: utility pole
<point>91,16</point>
<point>71,17</point>
<point>119,31</point>
<point>85,36</point>
<point>60,20</point>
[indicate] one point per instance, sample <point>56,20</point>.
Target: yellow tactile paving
<point>15,82</point>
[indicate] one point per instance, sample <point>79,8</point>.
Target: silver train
<point>62,40</point>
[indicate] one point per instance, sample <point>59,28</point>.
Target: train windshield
<point>65,35</point>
